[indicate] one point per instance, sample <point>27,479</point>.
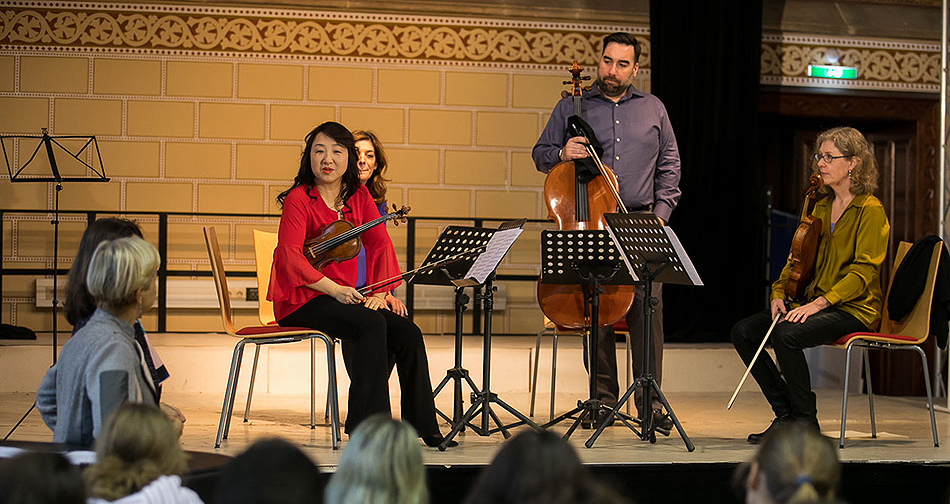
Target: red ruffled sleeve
<point>291,271</point>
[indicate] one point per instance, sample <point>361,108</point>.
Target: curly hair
<point>851,143</point>
<point>376,183</point>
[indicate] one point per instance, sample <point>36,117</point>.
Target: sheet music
<point>684,258</point>
<point>495,250</point>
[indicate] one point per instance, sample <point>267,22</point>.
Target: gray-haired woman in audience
<point>381,464</point>
<point>101,366</point>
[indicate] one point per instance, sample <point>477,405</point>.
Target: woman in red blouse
<point>326,189</point>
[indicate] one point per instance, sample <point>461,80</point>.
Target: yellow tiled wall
<point>223,133</point>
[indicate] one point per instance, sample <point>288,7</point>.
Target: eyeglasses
<point>827,157</point>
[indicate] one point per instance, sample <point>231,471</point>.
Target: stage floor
<point>718,434</point>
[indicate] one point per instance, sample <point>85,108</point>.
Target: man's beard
<point>612,88</point>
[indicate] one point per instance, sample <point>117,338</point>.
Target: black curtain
<point>705,69</point>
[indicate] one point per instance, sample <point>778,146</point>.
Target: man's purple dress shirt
<point>638,142</point>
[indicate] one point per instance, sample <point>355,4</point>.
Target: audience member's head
<point>79,303</point>
<point>795,464</point>
<point>122,274</point>
<point>137,445</point>
<point>381,464</point>
<point>271,471</point>
<point>40,478</point>
<point>537,467</point>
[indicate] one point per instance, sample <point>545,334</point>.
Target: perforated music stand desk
<point>653,253</point>
<point>453,241</point>
<point>590,259</point>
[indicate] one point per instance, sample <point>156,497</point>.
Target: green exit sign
<point>832,72</point>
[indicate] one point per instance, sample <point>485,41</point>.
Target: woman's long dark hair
<point>79,303</point>
<point>305,176</point>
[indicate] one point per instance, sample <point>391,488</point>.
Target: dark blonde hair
<point>799,465</point>
<point>851,143</point>
<point>138,443</point>
<point>376,182</point>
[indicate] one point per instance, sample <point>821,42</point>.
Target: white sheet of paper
<point>495,250</point>
<point>681,253</point>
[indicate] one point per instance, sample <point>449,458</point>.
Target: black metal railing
<point>164,273</point>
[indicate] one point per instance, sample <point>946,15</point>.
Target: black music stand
<point>482,272</point>
<point>590,259</point>
<point>653,253</point>
<point>19,173</point>
<point>454,241</point>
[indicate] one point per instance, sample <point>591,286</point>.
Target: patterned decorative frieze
<point>881,64</point>
<point>147,27</point>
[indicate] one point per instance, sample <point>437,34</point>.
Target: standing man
<point>638,142</point>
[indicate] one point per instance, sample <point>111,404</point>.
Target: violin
<point>805,244</point>
<point>578,205</point>
<point>340,240</point>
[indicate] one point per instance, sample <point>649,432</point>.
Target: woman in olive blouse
<point>845,295</point>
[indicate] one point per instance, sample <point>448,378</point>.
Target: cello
<point>578,205</point>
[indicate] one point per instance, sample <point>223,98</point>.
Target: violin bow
<point>441,262</point>
<point>757,352</point>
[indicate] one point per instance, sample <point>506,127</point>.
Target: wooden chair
<point>555,330</point>
<point>264,244</point>
<point>906,334</point>
<point>265,335</point>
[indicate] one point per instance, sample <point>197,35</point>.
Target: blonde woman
<point>795,464</point>
<point>101,366</point>
<point>381,464</point>
<point>138,460</point>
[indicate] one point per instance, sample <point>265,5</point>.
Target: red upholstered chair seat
<point>897,338</point>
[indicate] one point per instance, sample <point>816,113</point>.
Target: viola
<point>577,205</point>
<point>340,240</point>
<point>805,244</point>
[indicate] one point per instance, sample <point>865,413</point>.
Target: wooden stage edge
<point>903,426</point>
<point>902,459</point>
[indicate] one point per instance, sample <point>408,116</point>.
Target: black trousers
<point>608,389</point>
<point>789,392</point>
<point>372,342</point>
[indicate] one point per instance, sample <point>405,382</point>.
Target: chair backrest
<point>220,281</point>
<point>917,323</point>
<point>264,245</point>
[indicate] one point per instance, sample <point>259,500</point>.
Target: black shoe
<point>434,440</point>
<point>756,438</point>
<point>662,421</point>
